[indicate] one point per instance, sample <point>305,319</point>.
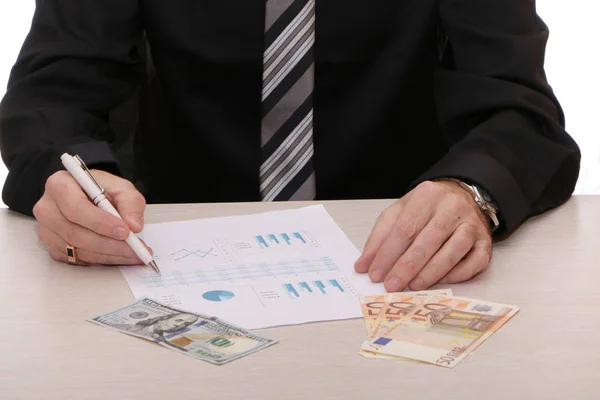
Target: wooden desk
<point>550,350</point>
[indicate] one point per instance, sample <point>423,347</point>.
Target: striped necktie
<point>286,171</point>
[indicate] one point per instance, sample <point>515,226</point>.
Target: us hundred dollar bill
<point>204,337</point>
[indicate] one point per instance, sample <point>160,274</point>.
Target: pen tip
<point>154,266</point>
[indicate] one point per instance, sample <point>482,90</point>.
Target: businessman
<point>440,104</point>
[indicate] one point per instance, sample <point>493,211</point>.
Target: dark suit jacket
<point>388,113</point>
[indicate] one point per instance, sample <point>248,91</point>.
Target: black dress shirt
<point>395,102</point>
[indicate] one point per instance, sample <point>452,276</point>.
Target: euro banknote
<point>388,306</point>
<point>441,330</point>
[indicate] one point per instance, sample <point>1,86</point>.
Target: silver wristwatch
<point>484,202</point>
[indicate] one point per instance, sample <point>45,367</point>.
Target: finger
<point>130,204</point>
<point>439,229</point>
<point>84,239</point>
<point>96,259</point>
<point>52,218</point>
<point>57,248</point>
<point>448,256</point>
<point>61,256</point>
<point>409,223</point>
<point>76,207</point>
<point>476,260</point>
<point>380,231</point>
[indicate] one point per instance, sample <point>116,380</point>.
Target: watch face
<point>486,196</point>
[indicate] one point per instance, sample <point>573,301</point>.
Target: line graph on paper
<point>202,254</point>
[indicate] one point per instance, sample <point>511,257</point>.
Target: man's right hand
<point>65,216</point>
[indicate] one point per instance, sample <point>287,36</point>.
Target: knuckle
<point>418,256</point>
<point>472,273</point>
<point>409,267</point>
<point>52,181</point>
<point>463,276</point>
<point>56,181</point>
<point>42,234</point>
<point>387,213</point>
<point>469,231</point>
<point>56,255</point>
<point>139,198</point>
<point>428,187</point>
<point>39,209</point>
<point>463,242</point>
<point>127,184</point>
<point>487,251</point>
<point>406,229</point>
<point>440,226</point>
<point>413,268</point>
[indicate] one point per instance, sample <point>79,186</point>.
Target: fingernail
<point>418,284</point>
<point>137,219</point>
<point>359,267</point>
<point>393,284</point>
<point>120,233</point>
<point>377,276</point>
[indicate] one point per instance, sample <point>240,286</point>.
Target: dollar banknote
<point>378,309</point>
<point>200,336</point>
<point>441,330</point>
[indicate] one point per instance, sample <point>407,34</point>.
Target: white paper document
<point>257,271</point>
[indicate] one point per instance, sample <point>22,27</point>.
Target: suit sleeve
<point>504,127</point>
<point>79,61</point>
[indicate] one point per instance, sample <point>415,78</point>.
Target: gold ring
<point>71,254</point>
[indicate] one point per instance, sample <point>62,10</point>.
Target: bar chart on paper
<point>320,287</point>
<point>282,239</point>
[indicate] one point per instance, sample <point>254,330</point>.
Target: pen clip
<point>89,173</point>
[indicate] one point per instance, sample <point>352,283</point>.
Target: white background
<point>571,64</point>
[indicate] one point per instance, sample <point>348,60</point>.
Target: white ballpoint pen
<point>85,179</point>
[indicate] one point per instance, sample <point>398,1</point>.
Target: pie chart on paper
<point>218,295</point>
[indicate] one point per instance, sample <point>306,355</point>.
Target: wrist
<point>482,199</point>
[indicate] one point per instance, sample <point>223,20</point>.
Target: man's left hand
<point>434,234</point>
